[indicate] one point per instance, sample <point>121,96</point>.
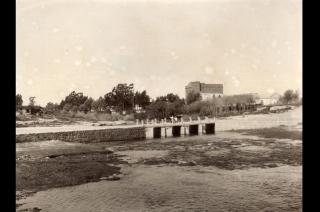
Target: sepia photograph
<point>158,105</point>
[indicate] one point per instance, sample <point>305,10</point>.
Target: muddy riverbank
<point>239,170</point>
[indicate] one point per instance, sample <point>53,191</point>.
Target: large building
<point>207,91</point>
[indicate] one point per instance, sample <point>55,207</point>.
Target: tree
<point>75,99</point>
<point>121,97</point>
<point>19,101</point>
<point>109,100</point>
<point>164,106</point>
<point>67,107</point>
<point>192,97</point>
<point>99,105</point>
<point>289,96</point>
<point>141,99</point>
<point>161,98</point>
<point>157,109</point>
<point>86,106</point>
<point>61,105</point>
<point>74,108</point>
<point>32,101</point>
<point>172,97</point>
<point>50,107</point>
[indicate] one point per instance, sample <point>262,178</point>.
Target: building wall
<point>205,96</point>
<point>193,86</point>
<point>206,90</point>
<point>268,101</point>
<point>211,88</point>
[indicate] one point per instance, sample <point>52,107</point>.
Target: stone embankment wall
<point>88,136</point>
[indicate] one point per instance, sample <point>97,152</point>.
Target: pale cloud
<point>208,70</point>
<point>152,77</point>
<point>174,55</point>
<point>274,43</point>
<point>55,30</point>
<point>72,87</point>
<point>122,47</point>
<point>243,45</point>
<point>30,82</point>
<point>254,66</point>
<point>93,59</point>
<point>270,90</point>
<point>168,78</point>
<point>103,60</point>
<point>232,32</point>
<point>79,48</point>
<point>299,81</point>
<point>112,73</point>
<point>235,81</point>
<point>77,62</point>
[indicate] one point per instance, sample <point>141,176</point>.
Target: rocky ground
<point>238,170</point>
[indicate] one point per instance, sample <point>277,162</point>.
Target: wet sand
<point>152,188</point>
<point>229,171</point>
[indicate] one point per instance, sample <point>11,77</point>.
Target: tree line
<point>123,98</point>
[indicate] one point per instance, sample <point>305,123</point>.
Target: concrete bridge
<point>141,130</point>
<point>159,129</point>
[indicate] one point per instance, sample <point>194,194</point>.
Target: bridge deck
<point>183,124</point>
<point>34,130</point>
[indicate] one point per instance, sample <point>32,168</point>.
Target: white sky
<point>90,46</point>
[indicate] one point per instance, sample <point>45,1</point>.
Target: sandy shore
<point>250,170</point>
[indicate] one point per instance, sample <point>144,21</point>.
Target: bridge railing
<point>163,122</point>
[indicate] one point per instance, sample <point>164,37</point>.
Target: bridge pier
<point>163,132</point>
<point>156,130</point>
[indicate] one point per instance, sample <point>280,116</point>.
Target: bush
<point>129,117</point>
<point>140,116</point>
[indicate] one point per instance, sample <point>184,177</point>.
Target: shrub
<point>140,116</point>
<point>129,117</point>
